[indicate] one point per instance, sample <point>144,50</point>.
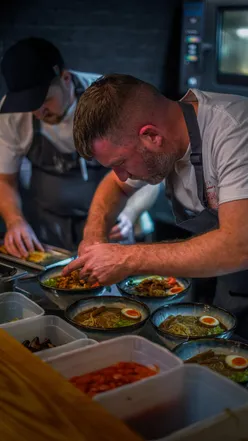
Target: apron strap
<point>36,126</point>
<point>196,148</point>
<point>79,89</point>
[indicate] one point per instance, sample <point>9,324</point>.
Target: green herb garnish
<point>216,330</point>
<point>51,282</point>
<point>124,322</point>
<point>239,377</point>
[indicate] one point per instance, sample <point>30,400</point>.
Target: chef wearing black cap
<point>36,124</point>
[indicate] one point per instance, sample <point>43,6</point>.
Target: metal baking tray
<point>57,255</point>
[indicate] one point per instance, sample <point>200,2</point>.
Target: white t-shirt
<point>223,124</point>
<point>16,132</point>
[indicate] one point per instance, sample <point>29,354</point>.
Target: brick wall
<point>136,37</point>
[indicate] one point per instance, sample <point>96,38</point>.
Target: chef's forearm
<point>10,205</point>
<point>212,254</point>
<point>108,202</point>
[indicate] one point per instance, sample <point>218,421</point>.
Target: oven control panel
<point>191,45</point>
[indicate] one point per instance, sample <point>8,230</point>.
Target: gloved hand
<point>123,230</point>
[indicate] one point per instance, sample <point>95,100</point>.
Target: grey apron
<point>58,198</point>
<point>232,289</point>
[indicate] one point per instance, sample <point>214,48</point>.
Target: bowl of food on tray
<point>52,280</point>
<point>108,316</point>
<point>155,291</point>
<point>175,324</point>
<point>226,357</point>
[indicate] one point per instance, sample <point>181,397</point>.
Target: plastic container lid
<point>49,326</point>
<point>14,306</point>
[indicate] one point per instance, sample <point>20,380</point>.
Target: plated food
<point>155,286</point>
<point>175,324</point>
<point>36,345</point>
<point>72,281</point>
<point>34,256</point>
<point>234,367</point>
<point>102,316</point>
<point>192,326</point>
<point>52,280</point>
<point>155,291</point>
<point>108,317</point>
<point>111,377</point>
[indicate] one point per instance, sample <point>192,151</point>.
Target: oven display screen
<point>232,52</point>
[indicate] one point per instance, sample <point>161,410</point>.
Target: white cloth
<point>223,124</point>
<point>16,132</point>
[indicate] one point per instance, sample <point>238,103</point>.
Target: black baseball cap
<point>28,67</point>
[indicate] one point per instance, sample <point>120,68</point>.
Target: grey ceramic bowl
<point>55,272</point>
<point>190,349</point>
<point>104,334</point>
<point>197,309</point>
<point>127,288</point>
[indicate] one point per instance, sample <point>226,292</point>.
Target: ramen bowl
<point>170,340</point>
<point>105,333</point>
<point>128,288</point>
<point>190,349</point>
<point>47,276</point>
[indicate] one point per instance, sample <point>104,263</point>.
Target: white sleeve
<point>15,140</point>
<point>230,158</point>
<point>86,79</point>
<point>135,184</point>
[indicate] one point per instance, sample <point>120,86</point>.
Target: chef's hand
<point>85,243</point>
<point>105,263</point>
<point>122,230</point>
<point>20,239</point>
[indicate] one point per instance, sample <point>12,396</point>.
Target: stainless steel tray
<point>58,255</point>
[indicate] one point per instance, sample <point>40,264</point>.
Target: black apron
<point>232,289</point>
<point>60,191</point>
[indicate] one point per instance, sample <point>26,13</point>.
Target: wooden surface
<point>38,404</point>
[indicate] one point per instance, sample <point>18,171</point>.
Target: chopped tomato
<point>171,281</point>
<point>112,377</point>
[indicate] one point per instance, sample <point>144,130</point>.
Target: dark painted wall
<point>136,37</point>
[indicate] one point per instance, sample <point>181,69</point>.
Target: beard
<point>159,166</point>
<point>53,118</point>
<point>56,118</point>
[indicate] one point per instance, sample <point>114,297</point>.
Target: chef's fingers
<point>85,271</point>
<point>27,240</point>
<point>122,234</point>
<point>10,246</point>
<point>115,229</point>
<point>17,242</point>
<point>74,265</point>
<point>117,236</point>
<point>91,278</point>
<point>37,245</point>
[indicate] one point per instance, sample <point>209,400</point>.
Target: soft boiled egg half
<point>176,289</point>
<point>236,362</point>
<point>208,320</point>
<point>131,313</point>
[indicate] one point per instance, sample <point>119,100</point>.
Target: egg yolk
<point>209,320</point>
<point>132,312</point>
<point>239,361</point>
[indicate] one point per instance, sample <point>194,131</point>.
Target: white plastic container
<point>175,403</point>
<point>17,306</point>
<point>128,348</point>
<point>76,344</point>
<point>50,326</point>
